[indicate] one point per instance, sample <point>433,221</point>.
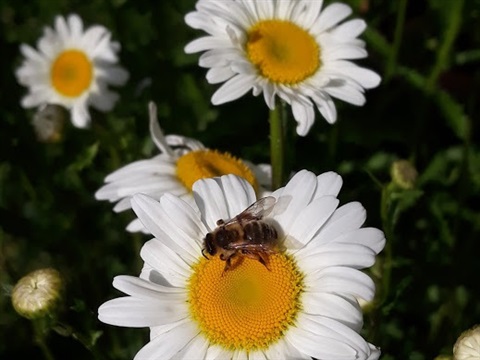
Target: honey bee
<point>245,235</point>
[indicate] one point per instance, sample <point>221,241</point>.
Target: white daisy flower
<point>303,305</point>
<point>72,68</point>
<point>467,346</point>
<point>182,161</point>
<point>287,48</point>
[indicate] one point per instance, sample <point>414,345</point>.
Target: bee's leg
<point>260,256</point>
<point>263,259</point>
<point>228,264</point>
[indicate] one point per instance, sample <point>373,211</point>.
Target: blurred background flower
<point>182,162</point>
<point>72,68</point>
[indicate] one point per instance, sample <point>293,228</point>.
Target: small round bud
<point>38,293</point>
<point>403,174</point>
<point>467,345</point>
<point>48,123</point>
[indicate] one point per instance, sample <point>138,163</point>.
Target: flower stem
<point>41,329</point>
<point>277,144</point>
<point>397,40</point>
<point>388,231</point>
<point>444,52</point>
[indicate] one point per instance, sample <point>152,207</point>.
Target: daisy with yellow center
<point>182,161</point>
<point>302,305</point>
<point>72,68</point>
<point>287,48</point>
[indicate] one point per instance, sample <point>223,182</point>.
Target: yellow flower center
<point>247,307</point>
<point>202,164</point>
<point>282,51</point>
<point>71,73</point>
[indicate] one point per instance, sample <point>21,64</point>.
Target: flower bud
<point>403,174</point>
<point>38,294</point>
<point>48,123</point>
<point>467,345</point>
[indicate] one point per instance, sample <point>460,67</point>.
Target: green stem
<point>454,24</point>
<point>40,328</point>
<point>388,251</point>
<point>277,145</point>
<point>397,40</point>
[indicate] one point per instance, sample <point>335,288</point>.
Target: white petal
<point>331,16</point>
<point>144,289</point>
<point>185,219</point>
<point>328,183</point>
<point>312,12</point>
<point>211,201</point>
<point>323,326</point>
<point>311,218</point>
<point>103,101</point>
<point>238,192</point>
<point>136,226</point>
<point>206,43</point>
<point>349,29</point>
<point>233,89</point>
<point>304,115</point>
<point>347,218</point>
<point>80,115</point>
<point>320,347</point>
<point>166,345</point>
<point>336,254</point>
<point>257,355</point>
<point>75,25</point>
<point>195,349</point>
<point>219,74</point>
<point>135,312</point>
<point>215,352</point>
<point>344,310</point>
<point>297,194</point>
<point>370,237</point>
<point>347,93</point>
<point>327,108</point>
<point>342,281</point>
<point>165,262</point>
<point>157,221</point>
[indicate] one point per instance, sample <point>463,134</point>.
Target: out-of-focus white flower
<point>72,68</point>
<point>182,161</point>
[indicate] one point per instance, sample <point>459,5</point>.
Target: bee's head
<point>209,247</point>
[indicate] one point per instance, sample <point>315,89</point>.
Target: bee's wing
<point>256,211</point>
<point>249,247</point>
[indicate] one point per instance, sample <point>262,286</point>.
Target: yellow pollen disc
<point>71,73</point>
<point>282,51</point>
<point>249,308</point>
<point>202,164</point>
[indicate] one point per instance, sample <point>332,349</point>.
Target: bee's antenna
<point>203,253</point>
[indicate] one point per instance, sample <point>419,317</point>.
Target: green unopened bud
<point>48,123</point>
<point>404,174</point>
<point>38,294</point>
<point>443,357</point>
<point>467,345</point>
